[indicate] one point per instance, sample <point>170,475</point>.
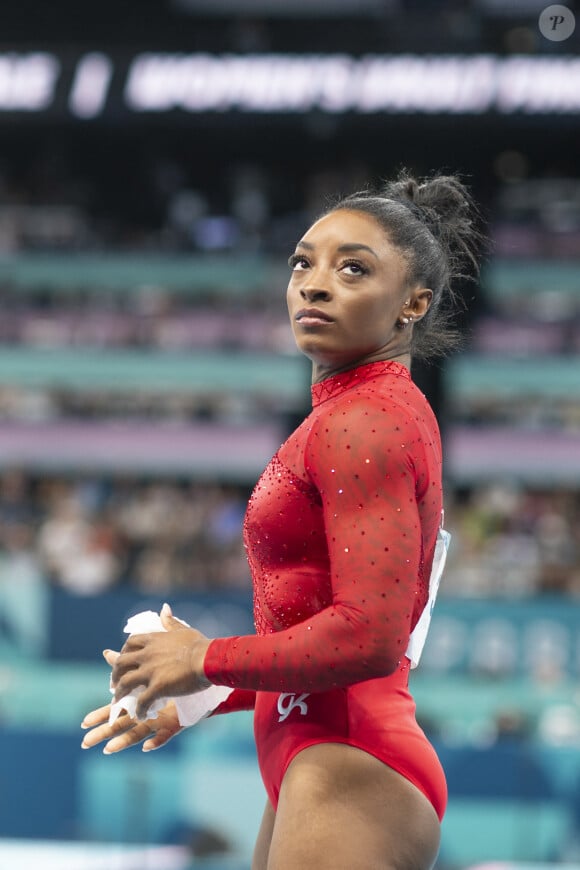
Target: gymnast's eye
<point>354,267</point>
<point>298,262</point>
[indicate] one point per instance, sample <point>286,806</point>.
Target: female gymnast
<point>341,532</point>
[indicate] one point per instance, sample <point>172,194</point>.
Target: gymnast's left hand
<point>166,663</point>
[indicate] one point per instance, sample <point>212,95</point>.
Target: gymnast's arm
<point>364,470</point>
<point>363,464</point>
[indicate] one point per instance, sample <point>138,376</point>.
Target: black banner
<point>97,85</point>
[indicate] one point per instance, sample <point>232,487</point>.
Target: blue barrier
<point>81,626</point>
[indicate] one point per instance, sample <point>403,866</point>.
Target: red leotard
<point>340,532</point>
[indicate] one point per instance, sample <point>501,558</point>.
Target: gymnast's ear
<point>417,304</point>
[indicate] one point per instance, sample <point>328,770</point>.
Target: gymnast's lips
<point>312,316</point>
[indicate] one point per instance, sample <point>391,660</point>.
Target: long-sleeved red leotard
<point>340,533</point>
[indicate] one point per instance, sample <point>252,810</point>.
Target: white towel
<point>190,708</point>
<point>419,633</point>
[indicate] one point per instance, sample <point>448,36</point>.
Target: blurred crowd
<point>50,403</point>
<point>89,534</point>
<point>512,541</point>
<point>146,319</point>
<point>247,208</point>
<point>526,411</point>
<point>494,334</point>
<point>52,199</point>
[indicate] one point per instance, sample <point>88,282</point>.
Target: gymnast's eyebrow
<point>343,249</point>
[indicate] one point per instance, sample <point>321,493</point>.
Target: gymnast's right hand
<point>125,731</point>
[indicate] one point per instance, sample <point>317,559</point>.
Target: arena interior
<point>158,162</point>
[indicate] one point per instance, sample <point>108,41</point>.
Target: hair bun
<point>443,200</point>
<point>444,204</point>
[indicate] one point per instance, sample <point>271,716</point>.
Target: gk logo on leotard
<point>289,701</point>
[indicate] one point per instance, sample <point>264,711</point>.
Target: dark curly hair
<point>435,224</point>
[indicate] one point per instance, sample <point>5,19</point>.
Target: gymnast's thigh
<point>264,839</point>
<point>340,808</point>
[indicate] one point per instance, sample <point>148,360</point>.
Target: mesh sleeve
<point>360,460</point>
